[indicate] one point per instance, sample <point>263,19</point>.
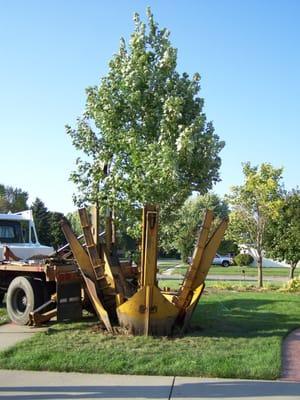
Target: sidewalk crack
<point>172,386</point>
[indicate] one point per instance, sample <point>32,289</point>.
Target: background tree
<point>57,238</point>
<point>12,199</point>
<point>144,135</point>
<point>228,246</point>
<point>42,221</point>
<point>254,205</point>
<point>74,221</point>
<point>182,235</point>
<point>47,225</point>
<point>283,235</point>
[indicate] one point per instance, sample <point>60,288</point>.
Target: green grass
<point>231,270</point>
<point>234,334</point>
<point>165,264</point>
<point>170,262</point>
<point>3,315</point>
<point>249,271</point>
<point>241,285</point>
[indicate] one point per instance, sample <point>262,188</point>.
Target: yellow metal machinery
<point>143,309</point>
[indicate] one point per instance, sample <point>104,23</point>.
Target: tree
<point>228,246</point>
<point>12,199</point>
<point>47,224</point>
<point>283,235</point>
<point>74,221</point>
<point>57,238</point>
<point>182,234</point>
<point>42,221</point>
<point>254,205</point>
<point>144,134</point>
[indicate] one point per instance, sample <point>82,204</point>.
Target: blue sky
<point>247,53</point>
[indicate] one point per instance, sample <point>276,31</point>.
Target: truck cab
<point>18,233</point>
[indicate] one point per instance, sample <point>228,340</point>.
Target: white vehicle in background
<point>225,261</point>
<point>18,234</point>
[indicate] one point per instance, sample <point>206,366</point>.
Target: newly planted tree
<point>255,204</point>
<point>144,134</point>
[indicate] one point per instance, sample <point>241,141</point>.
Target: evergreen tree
<point>57,238</point>
<point>42,221</point>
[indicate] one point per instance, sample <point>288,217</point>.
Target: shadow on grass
<point>210,389</point>
<point>82,324</point>
<point>243,318</point>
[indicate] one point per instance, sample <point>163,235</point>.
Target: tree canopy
<point>182,234</point>
<point>144,134</point>
<point>254,204</point>
<point>47,224</point>
<point>12,199</point>
<point>283,234</point>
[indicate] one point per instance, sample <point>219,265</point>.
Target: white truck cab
<point>18,233</point>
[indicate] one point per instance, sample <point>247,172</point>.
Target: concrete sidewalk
<point>10,334</point>
<point>21,385</point>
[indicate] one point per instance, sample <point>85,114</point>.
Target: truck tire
<point>24,294</point>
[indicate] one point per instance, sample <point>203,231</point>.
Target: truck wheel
<point>23,296</point>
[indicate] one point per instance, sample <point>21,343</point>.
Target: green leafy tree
<point>4,206</point>
<point>144,134</point>
<point>12,199</point>
<point>283,235</point>
<point>182,234</point>
<point>253,206</point>
<point>41,218</point>
<point>74,221</point>
<point>228,247</point>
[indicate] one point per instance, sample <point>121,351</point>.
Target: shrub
<point>292,285</point>
<point>243,260</point>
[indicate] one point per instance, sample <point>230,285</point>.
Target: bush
<point>292,285</point>
<point>243,260</point>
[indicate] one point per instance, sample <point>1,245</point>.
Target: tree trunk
<point>259,271</point>
<point>292,270</point>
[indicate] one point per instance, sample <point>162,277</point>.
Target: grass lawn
<point>3,315</point>
<point>237,286</point>
<point>236,270</point>
<point>218,270</point>
<point>234,334</point>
